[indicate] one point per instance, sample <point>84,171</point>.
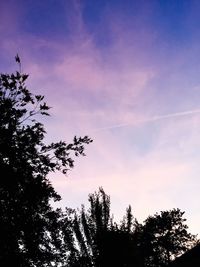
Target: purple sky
<point>126,73</point>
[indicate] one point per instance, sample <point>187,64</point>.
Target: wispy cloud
<point>152,119</point>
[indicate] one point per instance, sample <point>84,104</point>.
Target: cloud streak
<point>152,119</point>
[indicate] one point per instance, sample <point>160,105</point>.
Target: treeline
<point>33,233</point>
<point>96,240</point>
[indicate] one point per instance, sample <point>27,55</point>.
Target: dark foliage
<point>190,258</point>
<point>30,232</point>
<point>100,242</point>
<point>163,237</point>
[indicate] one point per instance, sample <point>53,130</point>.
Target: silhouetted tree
<point>98,240</point>
<point>163,237</point>
<point>30,232</point>
<point>89,227</point>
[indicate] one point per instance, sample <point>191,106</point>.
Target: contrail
<point>155,118</point>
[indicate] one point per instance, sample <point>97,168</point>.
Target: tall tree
<point>90,227</point>
<point>163,237</point>
<point>29,227</point>
<point>99,241</point>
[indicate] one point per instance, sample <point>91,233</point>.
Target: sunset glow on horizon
<point>127,74</point>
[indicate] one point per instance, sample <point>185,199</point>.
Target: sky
<point>126,73</point>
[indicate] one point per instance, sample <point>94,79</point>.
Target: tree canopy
<point>29,226</point>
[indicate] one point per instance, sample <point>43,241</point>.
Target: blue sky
<point>127,74</point>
